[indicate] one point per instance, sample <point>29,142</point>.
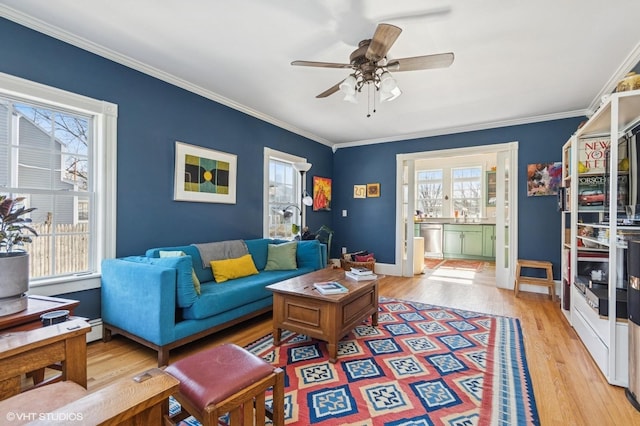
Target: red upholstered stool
<point>228,379</point>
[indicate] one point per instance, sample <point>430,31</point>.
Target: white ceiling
<point>516,61</point>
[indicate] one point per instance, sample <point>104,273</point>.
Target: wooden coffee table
<point>298,307</point>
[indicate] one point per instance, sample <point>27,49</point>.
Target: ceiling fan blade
<point>383,39</point>
<point>440,60</point>
<point>320,64</point>
<point>417,15</point>
<point>330,91</point>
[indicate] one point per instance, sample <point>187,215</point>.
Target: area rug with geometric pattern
<point>422,365</point>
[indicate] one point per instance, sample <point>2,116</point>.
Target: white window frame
<point>441,181</point>
<point>270,153</point>
<point>480,180</point>
<point>103,161</point>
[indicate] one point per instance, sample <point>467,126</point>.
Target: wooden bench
<point>22,352</point>
<point>139,400</point>
<point>535,264</point>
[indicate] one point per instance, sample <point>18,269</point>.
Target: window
<point>50,144</point>
<point>467,191</point>
<point>283,215</point>
<point>45,161</point>
<point>429,193</point>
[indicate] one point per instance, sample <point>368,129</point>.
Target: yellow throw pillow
<point>228,269</point>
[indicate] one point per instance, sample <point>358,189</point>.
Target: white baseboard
<point>540,289</point>
<point>96,330</point>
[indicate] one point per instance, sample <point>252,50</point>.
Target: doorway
<point>504,214</point>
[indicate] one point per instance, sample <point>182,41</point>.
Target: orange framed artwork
<point>321,193</point>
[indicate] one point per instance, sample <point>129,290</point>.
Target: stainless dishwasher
<point>432,234</point>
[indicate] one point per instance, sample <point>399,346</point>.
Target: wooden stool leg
<point>516,287</point>
<point>277,405</point>
<point>552,286</point>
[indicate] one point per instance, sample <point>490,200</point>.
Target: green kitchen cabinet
<point>489,241</point>
<point>463,241</point>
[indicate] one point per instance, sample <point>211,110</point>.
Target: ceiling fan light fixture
<point>387,83</point>
<point>389,89</point>
<point>351,97</point>
<point>348,86</point>
<point>389,96</point>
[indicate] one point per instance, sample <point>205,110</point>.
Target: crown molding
<point>466,128</point>
<point>74,40</point>
<point>68,37</point>
<point>627,65</point>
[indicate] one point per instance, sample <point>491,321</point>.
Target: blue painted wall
<point>154,114</point>
<point>370,224</point>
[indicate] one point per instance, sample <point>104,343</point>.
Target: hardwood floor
<point>569,388</point>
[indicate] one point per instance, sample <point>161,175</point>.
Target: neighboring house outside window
<point>282,195</point>
<point>44,160</point>
<point>48,155</point>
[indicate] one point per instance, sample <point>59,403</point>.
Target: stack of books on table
<point>361,274</point>
<point>330,287</point>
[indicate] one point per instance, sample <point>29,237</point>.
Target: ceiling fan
<point>371,66</point>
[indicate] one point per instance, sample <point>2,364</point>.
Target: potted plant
<point>15,231</point>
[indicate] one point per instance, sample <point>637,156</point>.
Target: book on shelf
<point>359,277</point>
<point>361,271</point>
<point>330,287</point>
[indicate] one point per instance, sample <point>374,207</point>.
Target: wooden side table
<point>29,319</point>
<point>25,351</point>
<point>37,305</point>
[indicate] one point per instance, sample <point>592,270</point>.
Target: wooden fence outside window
<point>58,250</point>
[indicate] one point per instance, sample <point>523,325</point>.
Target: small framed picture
<point>359,191</point>
<point>373,190</point>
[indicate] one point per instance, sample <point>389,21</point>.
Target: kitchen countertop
<point>454,221</point>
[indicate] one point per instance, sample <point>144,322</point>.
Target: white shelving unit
<point>606,337</point>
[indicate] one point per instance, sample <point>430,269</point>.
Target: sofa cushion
<point>204,274</point>
<point>228,269</point>
<point>258,250</point>
<point>309,256</point>
<point>186,294</point>
<point>218,298</point>
<point>178,253</point>
<point>282,257</point>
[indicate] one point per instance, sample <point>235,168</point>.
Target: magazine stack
<point>360,274</point>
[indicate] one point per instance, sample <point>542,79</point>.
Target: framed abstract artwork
<point>359,191</point>
<point>204,175</point>
<point>321,193</point>
<point>543,179</point>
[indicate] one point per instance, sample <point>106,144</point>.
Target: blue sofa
<point>153,301</point>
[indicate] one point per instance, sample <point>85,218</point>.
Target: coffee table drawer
<point>360,307</point>
<point>297,312</point>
